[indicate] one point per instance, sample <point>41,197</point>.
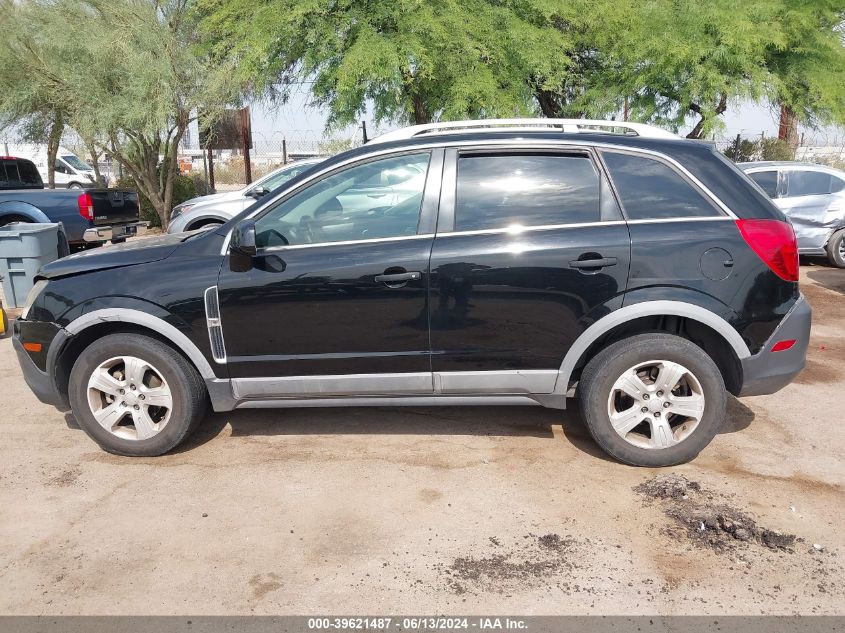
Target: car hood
<point>214,197</point>
<point>127,254</point>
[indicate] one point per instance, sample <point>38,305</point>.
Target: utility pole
<point>245,136</point>
<point>364,130</point>
<point>284,151</point>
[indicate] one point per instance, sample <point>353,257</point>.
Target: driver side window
<point>377,199</point>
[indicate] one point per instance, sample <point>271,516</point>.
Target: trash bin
<point>24,248</point>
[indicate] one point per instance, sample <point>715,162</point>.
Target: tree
<point>29,99</point>
<point>684,59</point>
<point>128,76</point>
<point>807,66</point>
<point>414,61</point>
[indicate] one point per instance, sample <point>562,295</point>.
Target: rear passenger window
<point>497,191</point>
<point>807,183</point>
<point>768,181</point>
<point>650,189</point>
<point>29,174</point>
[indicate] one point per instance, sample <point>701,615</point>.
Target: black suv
<point>503,263</point>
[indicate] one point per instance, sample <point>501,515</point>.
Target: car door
<point>335,301</point>
<point>530,250</point>
<point>810,199</point>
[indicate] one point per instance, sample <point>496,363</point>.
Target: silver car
<point>217,208</point>
<point>813,198</point>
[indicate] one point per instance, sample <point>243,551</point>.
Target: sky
<point>297,120</point>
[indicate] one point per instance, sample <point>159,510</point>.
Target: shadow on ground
<point>509,421</point>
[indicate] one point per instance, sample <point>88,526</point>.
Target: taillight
<point>774,242</point>
<point>86,206</point>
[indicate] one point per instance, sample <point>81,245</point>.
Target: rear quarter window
<point>28,173</point>
<point>651,189</point>
<point>768,181</point>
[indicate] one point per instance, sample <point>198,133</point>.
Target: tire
<point>166,371</point>
<point>836,249</point>
<point>212,225</point>
<point>651,442</point>
<point>74,185</point>
<point>120,240</point>
<point>13,219</point>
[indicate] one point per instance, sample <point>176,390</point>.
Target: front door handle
<point>397,278</point>
<point>594,263</point>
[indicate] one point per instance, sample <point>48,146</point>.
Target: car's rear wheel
<point>652,399</point>
<point>836,249</point>
<point>134,395</point>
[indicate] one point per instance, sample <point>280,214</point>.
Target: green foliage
<point>416,61</point>
<point>775,149</point>
<point>413,60</point>
<point>184,188</point>
<point>744,150</point>
<point>125,74</point>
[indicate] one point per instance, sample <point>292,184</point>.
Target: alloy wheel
<point>129,398</point>
<point>656,404</point>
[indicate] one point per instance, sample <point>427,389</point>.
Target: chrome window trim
<point>375,240</point>
<point>516,142</point>
<point>528,229</point>
<point>708,195</point>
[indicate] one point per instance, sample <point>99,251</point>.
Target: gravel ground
<point>441,510</point>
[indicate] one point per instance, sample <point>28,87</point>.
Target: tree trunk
<point>95,160</point>
<point>698,130</point>
<point>788,127</point>
<point>53,139</point>
<point>421,113</point>
<point>548,102</point>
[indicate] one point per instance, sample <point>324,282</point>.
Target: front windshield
<point>282,176</point>
<point>77,163</point>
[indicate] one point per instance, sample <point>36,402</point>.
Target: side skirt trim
<point>396,401</point>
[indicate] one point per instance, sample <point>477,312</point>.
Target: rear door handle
<point>594,263</point>
<point>398,277</point>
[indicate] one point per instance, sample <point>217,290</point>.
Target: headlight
<point>32,296</point>
<point>180,209</point>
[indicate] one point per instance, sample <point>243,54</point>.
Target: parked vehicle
<point>71,172</point>
<point>538,260</point>
<point>88,217</point>
<point>813,198</point>
<point>217,208</point>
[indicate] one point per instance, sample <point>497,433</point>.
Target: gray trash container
<point>24,248</point>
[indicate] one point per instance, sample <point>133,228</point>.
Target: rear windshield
<point>18,173</point>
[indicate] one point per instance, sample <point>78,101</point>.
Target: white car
<point>218,208</point>
<point>813,198</point>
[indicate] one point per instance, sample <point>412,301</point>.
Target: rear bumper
<point>120,231</point>
<point>767,371</point>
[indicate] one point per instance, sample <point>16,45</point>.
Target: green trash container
<point>24,248</point>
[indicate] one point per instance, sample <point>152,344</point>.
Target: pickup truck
<point>89,218</point>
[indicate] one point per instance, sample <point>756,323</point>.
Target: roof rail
<point>527,125</point>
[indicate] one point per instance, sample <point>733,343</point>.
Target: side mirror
<point>258,192</point>
<point>243,238</point>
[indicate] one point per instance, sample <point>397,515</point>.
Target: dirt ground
<point>426,511</point>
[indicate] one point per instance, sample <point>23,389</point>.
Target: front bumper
<point>767,371</point>
<point>121,231</point>
<point>42,382</point>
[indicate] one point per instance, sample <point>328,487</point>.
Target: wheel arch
<point>17,208</point>
<point>144,322</point>
<point>709,330</point>
<point>203,220</point>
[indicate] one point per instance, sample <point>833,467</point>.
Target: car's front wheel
<point>836,249</point>
<point>652,399</point>
<point>134,395</point>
